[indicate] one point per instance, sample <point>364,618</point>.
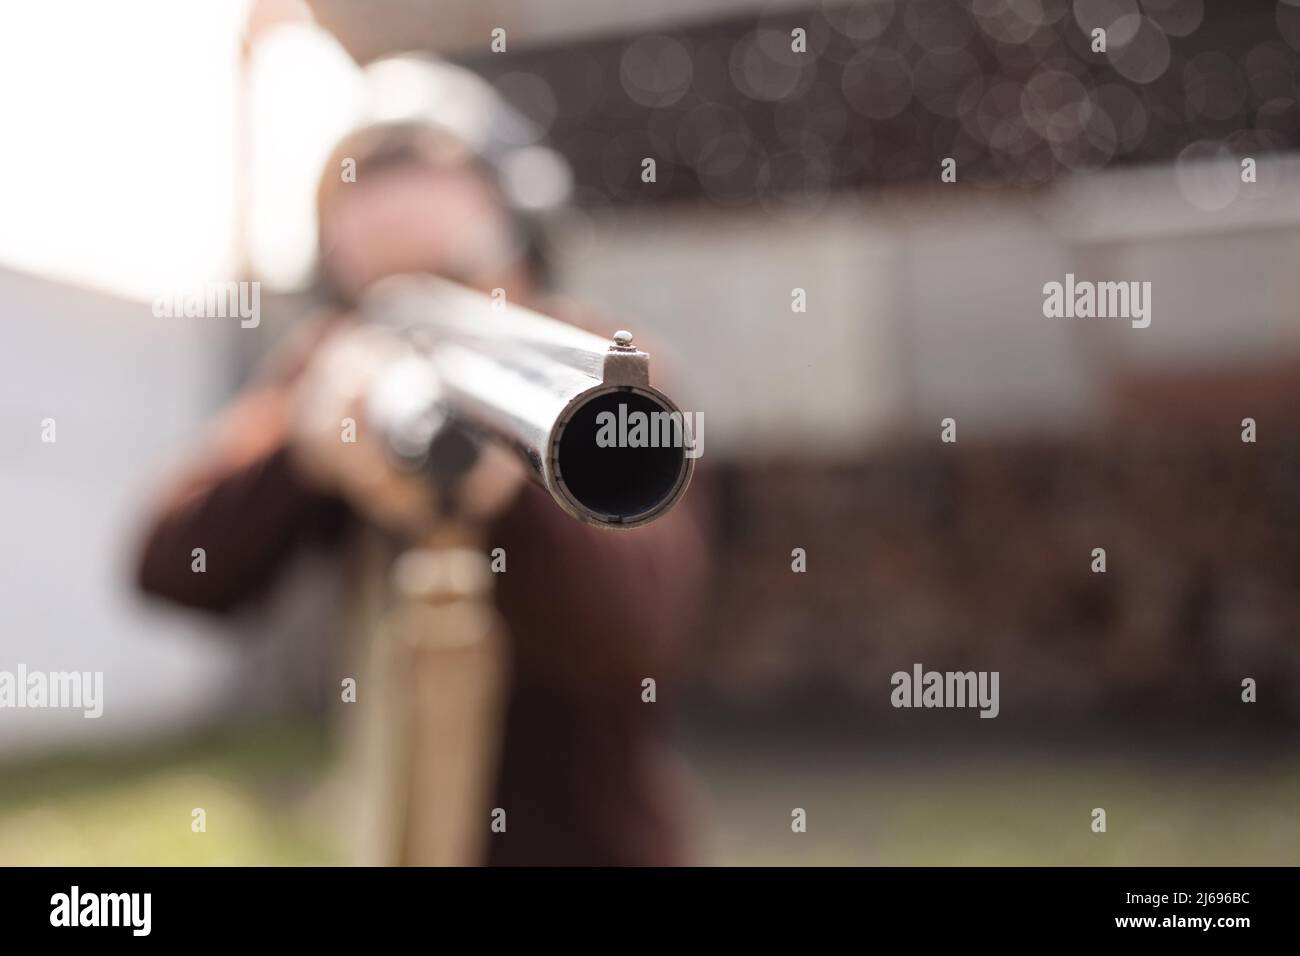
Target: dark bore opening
<point>621,481</point>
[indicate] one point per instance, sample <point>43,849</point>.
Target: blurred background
<point>154,147</point>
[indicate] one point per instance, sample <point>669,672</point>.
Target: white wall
<point>924,305</point>
<point>124,388</point>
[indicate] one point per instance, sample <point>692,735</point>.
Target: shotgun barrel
<point>539,386</point>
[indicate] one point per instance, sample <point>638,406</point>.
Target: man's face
<point>447,222</point>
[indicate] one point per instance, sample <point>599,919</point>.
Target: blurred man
<point>583,772</point>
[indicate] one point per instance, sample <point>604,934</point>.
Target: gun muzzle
<point>559,397</point>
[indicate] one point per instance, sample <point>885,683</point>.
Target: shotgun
<point>478,368</point>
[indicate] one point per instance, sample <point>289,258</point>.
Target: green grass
<point>1027,810</point>
<point>133,807</point>
<point>261,787</point>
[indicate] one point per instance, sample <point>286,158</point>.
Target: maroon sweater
<point>591,613</point>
